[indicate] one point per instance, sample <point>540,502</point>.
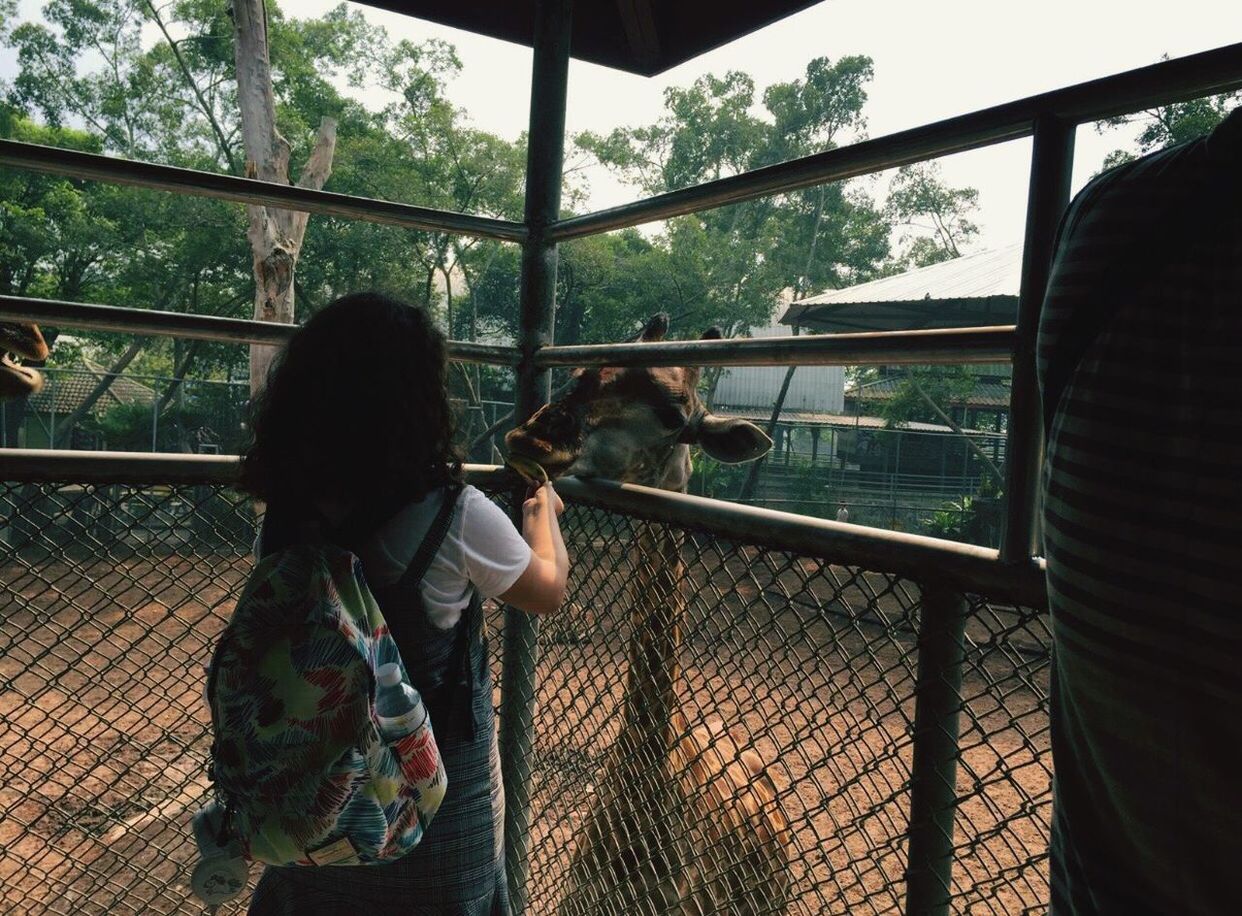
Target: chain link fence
<point>783,769</point>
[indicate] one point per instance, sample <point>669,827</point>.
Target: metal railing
<point>919,775</point>
<point>118,584</point>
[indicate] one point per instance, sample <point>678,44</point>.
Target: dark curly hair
<point>355,408</point>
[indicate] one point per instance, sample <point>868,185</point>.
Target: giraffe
<point>22,340</point>
<point>686,820</point>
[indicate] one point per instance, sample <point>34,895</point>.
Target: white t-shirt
<point>481,547</point>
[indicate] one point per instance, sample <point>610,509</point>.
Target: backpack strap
<point>460,679</point>
<point>432,540</point>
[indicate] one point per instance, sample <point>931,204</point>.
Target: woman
<point>353,441</point>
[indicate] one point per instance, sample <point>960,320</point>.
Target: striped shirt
<point>1142,526</point>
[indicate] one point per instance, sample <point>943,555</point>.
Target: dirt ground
<point>103,727</point>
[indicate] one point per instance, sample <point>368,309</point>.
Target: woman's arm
<point>541,588</point>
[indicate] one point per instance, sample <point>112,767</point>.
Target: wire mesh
<point>778,781</point>
<point>112,598</point>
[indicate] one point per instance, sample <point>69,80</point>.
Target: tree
<point>919,199</point>
<point>275,235</point>
<point>732,263</point>
<point>1169,125</point>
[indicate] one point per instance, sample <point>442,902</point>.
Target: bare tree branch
<point>225,150</point>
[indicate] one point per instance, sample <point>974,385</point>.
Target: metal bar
<point>933,771</point>
<point>67,466</point>
<point>1169,81</point>
<point>89,467</point>
<point>197,327</point>
<point>545,158</point>
<point>953,345</point>
<point>94,167</point>
<point>971,569</point>
<point>1052,166</point>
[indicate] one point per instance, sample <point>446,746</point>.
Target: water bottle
<point>406,728</point>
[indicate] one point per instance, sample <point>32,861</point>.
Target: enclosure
<point>895,686</point>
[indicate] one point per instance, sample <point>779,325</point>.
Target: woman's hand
<point>541,588</point>
<point>544,497</point>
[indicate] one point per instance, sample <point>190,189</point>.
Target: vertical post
<point>933,789</point>
<point>544,162</point>
<point>155,420</point>
<point>1052,165</point>
<point>51,410</point>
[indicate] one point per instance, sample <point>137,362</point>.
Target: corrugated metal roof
<point>984,394</point>
<point>65,390</point>
<point>972,276</point>
<point>811,418</point>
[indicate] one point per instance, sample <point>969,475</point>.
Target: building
<point>814,389</point>
<point>43,415</point>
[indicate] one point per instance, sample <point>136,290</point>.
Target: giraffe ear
<point>732,441</point>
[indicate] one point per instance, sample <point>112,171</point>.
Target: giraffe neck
<point>657,611</point>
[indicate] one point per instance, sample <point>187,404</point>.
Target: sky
<point>932,61</point>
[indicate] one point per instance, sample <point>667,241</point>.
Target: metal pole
<point>94,167</point>
<point>51,413</point>
<point>933,776</point>
<point>1159,84</point>
<point>968,567</point>
<point>871,348</point>
<point>544,165</point>
<point>197,327</point>
<point>1052,164</point>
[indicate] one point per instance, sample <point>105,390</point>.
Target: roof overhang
<point>640,36</point>
<point>913,315</point>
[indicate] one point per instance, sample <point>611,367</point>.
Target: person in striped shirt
<point>1140,362</point>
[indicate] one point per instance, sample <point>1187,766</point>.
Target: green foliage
<point>943,385</point>
<point>156,81</point>
<point>729,266</point>
<point>919,199</point>
<point>972,519</point>
<point>1171,124</point>
<point>950,520</point>
<point>202,414</point>
<point>712,479</point>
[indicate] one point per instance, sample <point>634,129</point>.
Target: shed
<point>814,389</point>
<point>975,290</point>
<point>64,391</point>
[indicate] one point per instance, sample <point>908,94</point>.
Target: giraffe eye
<point>669,416</point>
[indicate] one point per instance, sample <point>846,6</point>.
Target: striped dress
<point>1140,359</point>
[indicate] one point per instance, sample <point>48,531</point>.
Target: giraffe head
<point>634,425</point>
<point>20,341</point>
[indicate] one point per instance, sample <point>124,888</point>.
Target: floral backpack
<point>302,775</point>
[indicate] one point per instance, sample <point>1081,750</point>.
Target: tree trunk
<point>953,425</point>
<point>180,370</point>
<point>275,235</point>
<point>752,475</point>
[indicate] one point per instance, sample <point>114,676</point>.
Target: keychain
<point>222,871</point>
